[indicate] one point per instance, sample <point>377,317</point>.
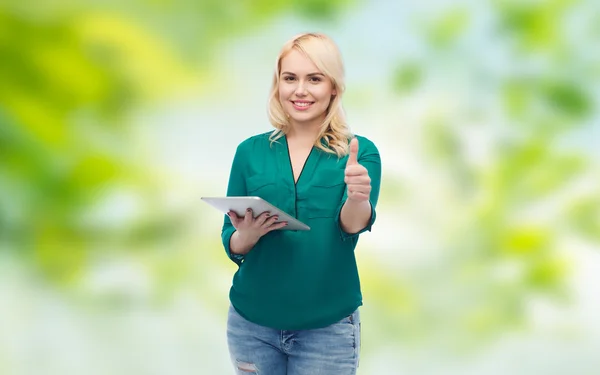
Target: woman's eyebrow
<point>308,75</point>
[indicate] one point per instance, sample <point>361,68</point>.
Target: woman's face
<point>304,92</point>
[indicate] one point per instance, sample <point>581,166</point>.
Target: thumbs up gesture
<point>357,177</point>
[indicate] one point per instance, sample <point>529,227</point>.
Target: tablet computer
<point>258,206</point>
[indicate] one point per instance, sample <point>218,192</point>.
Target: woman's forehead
<point>298,63</point>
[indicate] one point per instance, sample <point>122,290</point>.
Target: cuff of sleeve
<point>226,236</point>
<point>345,235</point>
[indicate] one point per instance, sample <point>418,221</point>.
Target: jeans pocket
<point>354,319</point>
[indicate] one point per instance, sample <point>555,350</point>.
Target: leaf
<point>535,26</point>
<point>407,77</point>
<point>567,99</point>
<point>448,28</point>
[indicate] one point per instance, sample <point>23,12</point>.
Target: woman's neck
<point>304,134</point>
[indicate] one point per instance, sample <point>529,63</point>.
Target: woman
<point>295,296</point>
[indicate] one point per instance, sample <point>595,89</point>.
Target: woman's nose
<point>301,89</point>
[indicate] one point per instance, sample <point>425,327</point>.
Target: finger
<point>355,170</point>
<point>248,217</point>
<point>260,219</point>
<point>358,196</point>
<point>353,155</point>
<point>365,189</point>
<point>276,226</point>
<point>355,189</point>
<point>270,221</point>
<point>234,218</point>
<point>357,180</point>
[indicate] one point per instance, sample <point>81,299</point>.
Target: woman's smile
<point>301,105</point>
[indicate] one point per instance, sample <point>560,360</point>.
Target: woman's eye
<point>315,79</point>
<point>288,78</point>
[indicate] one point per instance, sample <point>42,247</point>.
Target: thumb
<point>353,156</point>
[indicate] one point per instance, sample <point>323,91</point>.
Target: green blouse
<point>293,280</point>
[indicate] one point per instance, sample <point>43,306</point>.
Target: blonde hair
<point>322,51</point>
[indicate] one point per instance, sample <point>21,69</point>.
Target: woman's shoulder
<point>255,141</point>
<point>365,143</point>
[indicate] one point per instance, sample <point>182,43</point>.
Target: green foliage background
<point>489,221</point>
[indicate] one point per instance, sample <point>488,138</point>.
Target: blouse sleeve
<point>235,187</point>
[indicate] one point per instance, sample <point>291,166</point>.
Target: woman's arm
<point>362,192</point>
<point>240,234</point>
<point>236,186</point>
<point>355,216</point>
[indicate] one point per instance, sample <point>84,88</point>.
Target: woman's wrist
<point>240,243</point>
<point>355,215</point>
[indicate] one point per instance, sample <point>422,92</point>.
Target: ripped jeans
<point>332,350</point>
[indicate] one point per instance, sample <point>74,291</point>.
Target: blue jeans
<point>255,349</point>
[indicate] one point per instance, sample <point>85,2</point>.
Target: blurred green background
<point>116,116</point>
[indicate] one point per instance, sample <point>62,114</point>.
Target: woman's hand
<point>357,177</point>
<point>249,229</point>
<point>356,212</point>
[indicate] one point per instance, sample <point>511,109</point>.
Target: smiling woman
<point>307,91</point>
<point>305,96</point>
<point>296,294</point>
